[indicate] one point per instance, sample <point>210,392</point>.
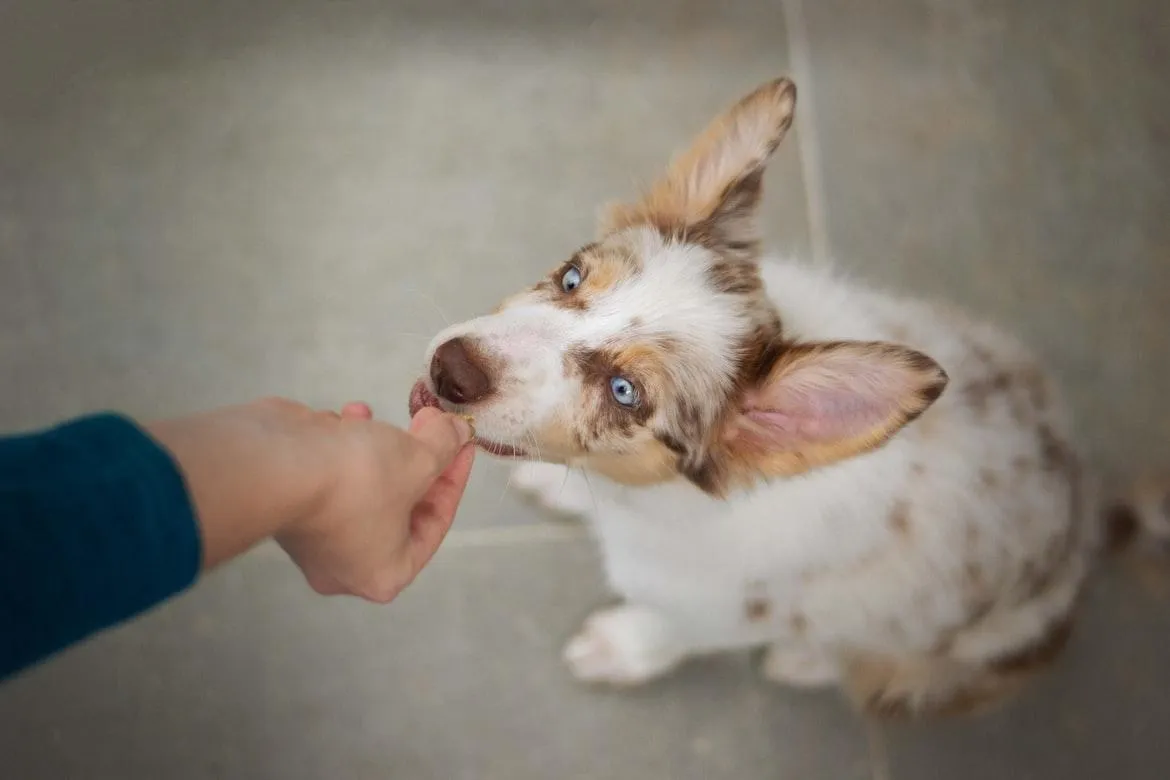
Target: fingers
<point>356,410</point>
<point>433,515</point>
<point>444,435</point>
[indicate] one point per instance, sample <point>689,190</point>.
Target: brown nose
<point>458,374</point>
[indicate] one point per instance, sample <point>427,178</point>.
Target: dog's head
<point>654,352</point>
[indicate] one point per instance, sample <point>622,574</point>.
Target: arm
<point>101,519</point>
<point>95,526</point>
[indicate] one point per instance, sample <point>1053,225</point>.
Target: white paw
<point>799,668</point>
<point>554,486</point>
<point>538,479</point>
<point>623,646</point>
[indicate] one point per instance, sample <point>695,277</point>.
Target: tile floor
<point>204,202</point>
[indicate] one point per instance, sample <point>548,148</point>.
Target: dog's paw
<point>623,646</point>
<point>798,668</point>
<point>539,480</point>
<point>554,487</point>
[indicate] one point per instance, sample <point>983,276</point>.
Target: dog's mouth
<point>421,397</point>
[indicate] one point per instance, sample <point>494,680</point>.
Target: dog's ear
<point>709,193</point>
<point>818,403</point>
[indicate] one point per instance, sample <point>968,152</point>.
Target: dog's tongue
<point>421,397</point>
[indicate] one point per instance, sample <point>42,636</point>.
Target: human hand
<point>359,505</point>
<point>394,501</point>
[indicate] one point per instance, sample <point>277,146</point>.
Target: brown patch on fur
<point>900,519</point>
<point>1036,385</point>
<point>625,454</point>
<point>798,623</point>
<point>602,272</point>
<point>1040,653</point>
<point>971,535</point>
<point>1038,576</point>
<point>708,192</point>
<point>602,267</point>
<point>759,350</point>
<point>692,430</point>
<point>1055,455</point>
<point>979,392</point>
<point>558,440</point>
<point>974,575</point>
<point>644,364</point>
<point>922,687</point>
<point>982,605</point>
<point>1024,388</point>
<point>735,277</point>
<point>757,609</point>
<point>1022,464</point>
<point>988,478</point>
<point>917,469</point>
<point>982,354</point>
<point>651,463</point>
<point>757,604</point>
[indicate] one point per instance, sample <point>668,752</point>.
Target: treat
<point>470,419</point>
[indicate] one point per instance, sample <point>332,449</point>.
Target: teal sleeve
<point>96,526</point>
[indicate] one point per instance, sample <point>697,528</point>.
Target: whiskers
<point>529,444</point>
<point>434,304</point>
<point>589,487</point>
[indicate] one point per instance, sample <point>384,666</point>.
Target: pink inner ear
<point>836,395</point>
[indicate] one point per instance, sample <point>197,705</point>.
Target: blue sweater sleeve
<point>96,526</point>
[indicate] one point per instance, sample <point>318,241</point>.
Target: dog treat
<point>470,420</point>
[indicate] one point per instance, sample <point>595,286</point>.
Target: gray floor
<point>205,202</point>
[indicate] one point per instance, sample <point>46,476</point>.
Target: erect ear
<point>820,403</point>
<point>710,192</point>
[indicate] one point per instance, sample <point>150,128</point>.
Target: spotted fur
<point>883,492</point>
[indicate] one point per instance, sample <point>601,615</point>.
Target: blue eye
<point>571,279</point>
<point>623,391</point>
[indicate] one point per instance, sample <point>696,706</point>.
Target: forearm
<point>246,472</point>
<point>95,527</point>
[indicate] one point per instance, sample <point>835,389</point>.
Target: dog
<point>882,494</point>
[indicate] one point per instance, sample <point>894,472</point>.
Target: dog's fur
<point>883,493</point>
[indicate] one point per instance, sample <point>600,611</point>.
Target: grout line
<point>800,61</point>
<point>879,755</point>
<point>532,533</point>
<point>547,532</point>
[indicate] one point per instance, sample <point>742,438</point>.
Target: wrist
<point>251,472</point>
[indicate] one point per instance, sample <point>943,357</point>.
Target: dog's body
<point>961,544</point>
<point>772,460</point>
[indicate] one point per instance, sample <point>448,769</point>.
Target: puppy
<point>882,493</point>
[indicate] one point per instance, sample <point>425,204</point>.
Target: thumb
<point>443,434</point>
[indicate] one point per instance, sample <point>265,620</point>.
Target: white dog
<point>883,493</point>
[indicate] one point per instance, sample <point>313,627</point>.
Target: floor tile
<point>252,676</point>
